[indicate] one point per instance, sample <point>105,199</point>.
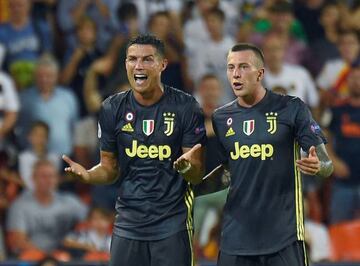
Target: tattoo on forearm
<point>326,166</point>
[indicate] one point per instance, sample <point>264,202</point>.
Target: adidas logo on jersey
<point>230,132</point>
<point>162,151</point>
<point>127,128</point>
<point>263,151</point>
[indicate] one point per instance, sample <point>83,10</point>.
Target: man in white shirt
<point>295,79</point>
<point>212,57</point>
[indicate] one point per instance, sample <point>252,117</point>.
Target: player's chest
<point>153,125</point>
<point>256,128</point>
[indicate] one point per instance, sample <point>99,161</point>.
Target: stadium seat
<point>32,255</point>
<point>345,241</point>
<point>97,256</point>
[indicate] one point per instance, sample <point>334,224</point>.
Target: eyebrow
<point>145,56</point>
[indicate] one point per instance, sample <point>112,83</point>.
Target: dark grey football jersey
<point>154,200</point>
<point>264,208</point>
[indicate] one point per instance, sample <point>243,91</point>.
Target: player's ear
<point>164,64</point>
<point>260,74</point>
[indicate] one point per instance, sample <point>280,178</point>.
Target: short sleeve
<point>307,131</point>
<point>76,210</point>
<point>222,152</point>
<point>106,128</point>
<point>15,218</point>
<point>11,102</point>
<point>193,123</point>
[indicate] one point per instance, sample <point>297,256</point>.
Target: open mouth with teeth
<point>140,78</point>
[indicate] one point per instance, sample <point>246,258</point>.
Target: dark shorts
<point>293,255</point>
<point>175,250</point>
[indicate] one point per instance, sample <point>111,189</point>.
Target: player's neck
<point>149,97</point>
<point>252,99</point>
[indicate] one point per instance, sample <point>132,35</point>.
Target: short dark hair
<point>217,12</point>
<point>127,11</point>
<point>248,46</point>
<point>156,15</point>
<point>208,76</point>
<point>39,123</point>
<point>145,39</point>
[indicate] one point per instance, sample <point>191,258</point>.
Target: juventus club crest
<point>169,123</point>
<point>148,127</point>
<point>271,119</point>
<point>248,126</point>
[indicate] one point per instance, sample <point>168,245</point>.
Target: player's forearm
<point>326,165</point>
<point>101,175</point>
<point>210,181</point>
<point>326,169</point>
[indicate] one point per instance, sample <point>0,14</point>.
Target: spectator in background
<point>317,237</point>
<point>96,234</point>
<point>294,78</point>
<point>24,40</point>
<point>55,105</point>
<point>9,107</point>
<point>323,48</point>
<point>308,14</point>
<point>209,94</point>
<point>213,58</point>
<point>77,60</point>
<point>344,143</point>
<point>146,8</point>
<point>175,74</point>
<point>194,18</point>
<point>110,65</point>
<point>332,79</point>
<point>70,12</point>
<point>280,20</point>
<point>350,14</point>
<point>38,220</point>
<point>38,138</point>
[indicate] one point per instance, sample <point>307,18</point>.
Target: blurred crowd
<point>59,59</point>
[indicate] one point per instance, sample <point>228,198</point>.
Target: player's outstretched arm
<point>191,164</point>
<point>106,172</point>
<point>317,163</point>
<point>211,181</point>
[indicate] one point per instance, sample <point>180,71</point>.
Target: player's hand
<point>183,163</point>
<point>309,165</point>
<point>76,170</point>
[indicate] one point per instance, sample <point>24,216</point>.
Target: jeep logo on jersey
<point>162,151</point>
<point>271,119</point>
<point>248,127</point>
<point>263,151</point>
<point>148,127</point>
<point>169,123</point>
